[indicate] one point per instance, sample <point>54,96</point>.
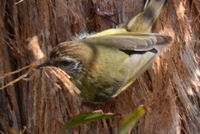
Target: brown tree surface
<point>29,29</point>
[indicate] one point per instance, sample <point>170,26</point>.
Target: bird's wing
<point>129,41</point>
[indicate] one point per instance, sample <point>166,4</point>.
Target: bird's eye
<point>66,63</point>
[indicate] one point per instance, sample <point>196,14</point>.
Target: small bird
<point>102,67</point>
<point>104,64</point>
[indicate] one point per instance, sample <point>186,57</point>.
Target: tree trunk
<point>29,29</point>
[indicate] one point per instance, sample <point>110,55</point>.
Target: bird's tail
<point>143,21</point>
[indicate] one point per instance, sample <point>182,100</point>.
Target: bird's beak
<point>45,64</point>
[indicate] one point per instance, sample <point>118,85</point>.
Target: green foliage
<point>127,124</point>
<point>131,120</point>
<point>85,118</point>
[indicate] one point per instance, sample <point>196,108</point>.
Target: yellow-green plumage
<point>110,63</point>
<point>101,81</point>
<point>104,64</point>
<point>144,21</point>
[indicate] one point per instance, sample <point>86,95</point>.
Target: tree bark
<point>170,89</point>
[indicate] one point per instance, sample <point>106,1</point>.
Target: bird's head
<point>65,58</point>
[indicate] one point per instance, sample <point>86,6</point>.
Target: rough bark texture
<point>29,29</point>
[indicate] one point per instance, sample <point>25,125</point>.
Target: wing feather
<point>131,41</point>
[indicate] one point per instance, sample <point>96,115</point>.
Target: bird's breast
<point>104,73</point>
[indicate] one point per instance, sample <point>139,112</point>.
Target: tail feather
<point>143,21</point>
